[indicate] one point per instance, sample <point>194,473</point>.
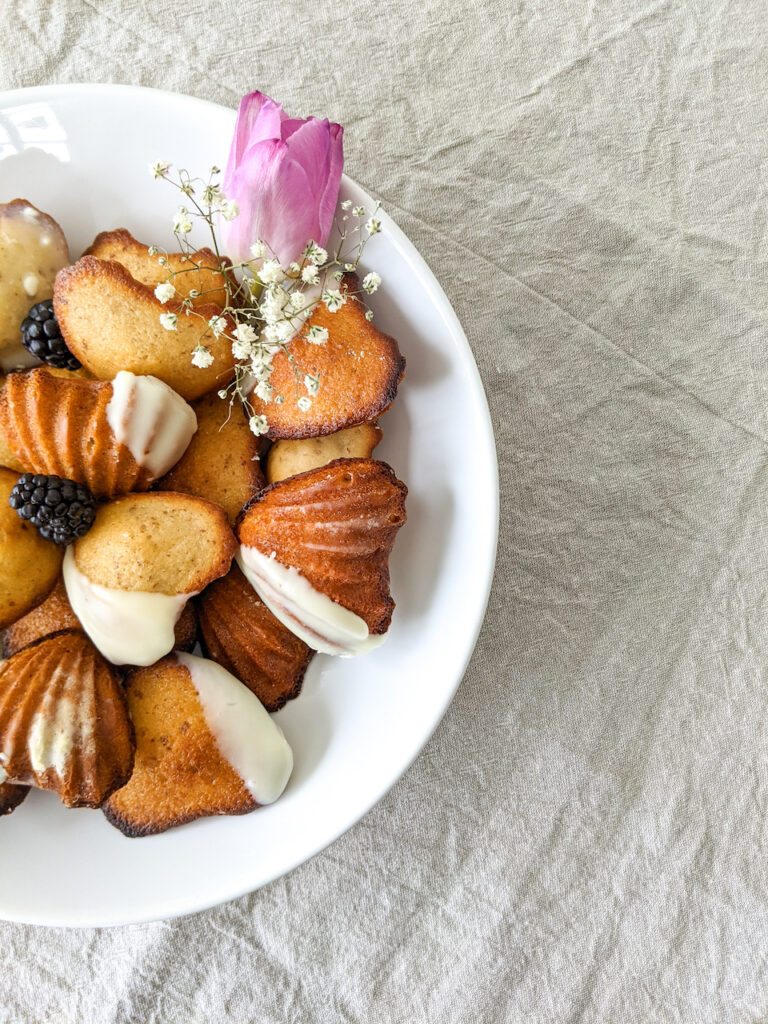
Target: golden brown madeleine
<point>241,633</point>
<point>52,616</point>
<point>111,322</point>
<point>221,463</point>
<point>8,457</point>
<point>29,565</point>
<point>287,458</point>
<point>359,369</point>
<point>158,543</point>
<point>198,272</point>
<point>180,773</point>
<point>32,250</point>
<point>63,721</point>
<point>11,796</point>
<point>336,525</point>
<point>186,629</point>
<point>62,426</point>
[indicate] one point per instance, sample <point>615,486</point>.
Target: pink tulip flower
<point>284,173</point>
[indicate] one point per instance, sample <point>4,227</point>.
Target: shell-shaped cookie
<point>287,458</point>
<point>32,250</point>
<point>204,746</point>
<point>336,525</point>
<point>221,463</point>
<point>241,633</point>
<point>111,322</point>
<point>29,565</point>
<point>64,725</point>
<point>78,429</point>
<point>198,273</point>
<point>359,367</point>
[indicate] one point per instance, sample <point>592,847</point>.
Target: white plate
<point>81,153</point>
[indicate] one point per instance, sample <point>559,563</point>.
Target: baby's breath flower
<point>182,222</point>
<point>242,349</point>
<point>271,272</point>
<point>297,302</point>
<point>165,292</point>
<point>217,325</point>
<point>261,371</point>
<point>169,321</point>
<point>159,169</point>
<point>268,304</point>
<point>273,302</point>
<point>211,194</point>
<point>152,250</point>
<point>214,170</point>
<point>284,330</point>
<point>371,282</point>
<point>244,332</point>
<point>229,209</point>
<point>202,357</point>
<point>317,335</point>
<point>333,299</point>
<point>369,315</point>
<point>316,254</point>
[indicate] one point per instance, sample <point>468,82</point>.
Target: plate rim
<point>171,909</point>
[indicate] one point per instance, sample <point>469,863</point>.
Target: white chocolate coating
<point>32,250</point>
<point>245,734</point>
<point>128,627</point>
<point>321,623</point>
<point>151,420</point>
<point>53,735</point>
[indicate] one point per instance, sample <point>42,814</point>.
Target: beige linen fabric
<point>584,839</point>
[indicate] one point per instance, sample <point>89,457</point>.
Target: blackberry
<point>41,336</point>
<point>61,510</point>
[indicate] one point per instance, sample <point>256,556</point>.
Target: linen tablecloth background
<point>584,839</point>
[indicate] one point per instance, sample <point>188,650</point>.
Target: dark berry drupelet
<point>41,336</point>
<point>62,510</point>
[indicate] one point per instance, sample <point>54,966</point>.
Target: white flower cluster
<point>267,304</point>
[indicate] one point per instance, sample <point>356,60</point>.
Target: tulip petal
<point>330,196</point>
<point>284,173</point>
<point>317,147</point>
<point>258,118</point>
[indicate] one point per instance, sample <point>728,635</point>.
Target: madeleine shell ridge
<point>337,526</point>
<point>64,724</point>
